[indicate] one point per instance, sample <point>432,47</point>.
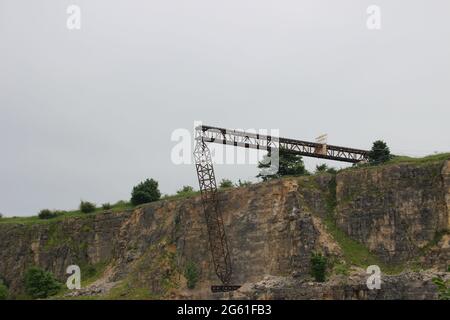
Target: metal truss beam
<point>264,142</point>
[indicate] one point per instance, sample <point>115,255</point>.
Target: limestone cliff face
<point>395,210</point>
<point>399,212</point>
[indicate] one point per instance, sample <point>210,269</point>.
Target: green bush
<point>325,168</point>
<point>59,213</point>
<point>443,289</point>
<point>46,214</point>
<point>186,190</point>
<point>4,293</point>
<point>380,153</point>
<point>289,164</point>
<point>226,183</point>
<point>243,183</point>
<point>341,268</point>
<point>40,284</point>
<point>87,207</point>
<point>318,266</point>
<point>106,206</point>
<point>191,274</point>
<point>144,192</point>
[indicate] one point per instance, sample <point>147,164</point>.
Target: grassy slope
<point>122,206</point>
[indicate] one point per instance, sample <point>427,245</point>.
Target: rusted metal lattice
<point>213,216</point>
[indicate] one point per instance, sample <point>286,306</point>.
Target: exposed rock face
<point>404,286</point>
<point>395,210</point>
<point>272,229</point>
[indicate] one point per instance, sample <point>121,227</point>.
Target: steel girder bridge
<point>208,187</point>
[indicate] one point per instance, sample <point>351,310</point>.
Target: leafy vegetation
<point>191,274</point>
<point>379,153</point>
<point>325,168</point>
<point>46,214</point>
<point>40,284</point>
<point>318,266</point>
<point>226,183</point>
<point>422,160</point>
<point>87,207</point>
<point>289,165</point>
<point>243,183</point>
<point>144,192</point>
<point>106,206</point>
<point>443,289</point>
<point>341,268</point>
<point>186,191</point>
<point>4,293</point>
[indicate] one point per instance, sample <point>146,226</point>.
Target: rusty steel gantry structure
<point>208,186</point>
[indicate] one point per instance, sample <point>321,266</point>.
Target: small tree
<point>325,168</point>
<point>4,293</point>
<point>40,284</point>
<point>186,190</point>
<point>87,207</point>
<point>379,153</point>
<point>191,274</point>
<point>443,288</point>
<point>225,183</point>
<point>289,164</point>
<point>46,214</point>
<point>144,192</point>
<point>321,168</point>
<point>243,183</point>
<point>318,266</point>
<point>106,206</point>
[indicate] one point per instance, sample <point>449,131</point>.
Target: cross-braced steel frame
<point>216,231</point>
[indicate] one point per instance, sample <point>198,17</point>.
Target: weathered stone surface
<point>397,211</point>
<point>404,286</point>
<point>394,210</point>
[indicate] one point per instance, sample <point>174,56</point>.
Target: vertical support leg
<point>214,221</point>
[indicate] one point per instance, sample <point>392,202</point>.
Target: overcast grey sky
<point>87,114</point>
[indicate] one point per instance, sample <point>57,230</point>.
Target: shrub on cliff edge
<point>225,183</point>
<point>46,214</point>
<point>288,165</point>
<point>106,206</point>
<point>191,274</point>
<point>318,266</point>
<point>380,153</point>
<point>40,284</point>
<point>3,291</point>
<point>144,192</point>
<point>87,207</point>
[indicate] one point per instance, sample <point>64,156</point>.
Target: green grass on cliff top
<point>430,158</point>
<point>396,160</point>
<point>119,206</point>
